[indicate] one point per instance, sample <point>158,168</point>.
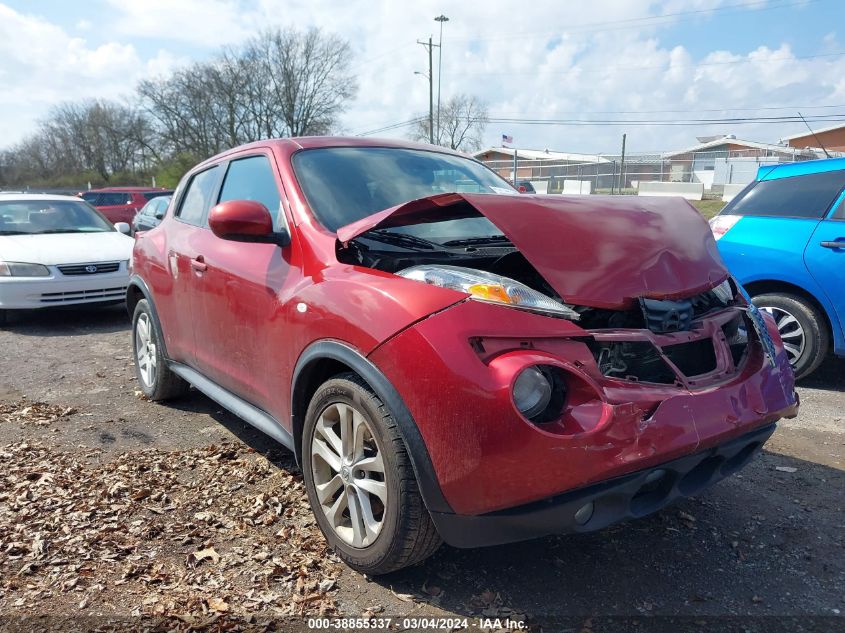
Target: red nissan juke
<point>448,360</point>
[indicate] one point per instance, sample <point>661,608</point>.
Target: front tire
<point>155,378</point>
<point>360,481</point>
<point>4,317</point>
<point>802,328</point>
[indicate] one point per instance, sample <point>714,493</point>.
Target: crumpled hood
<point>597,251</point>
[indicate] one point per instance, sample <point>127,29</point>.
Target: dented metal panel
<point>597,251</point>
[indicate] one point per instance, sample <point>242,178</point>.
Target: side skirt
<point>261,420</point>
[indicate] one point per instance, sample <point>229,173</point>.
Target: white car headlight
<point>484,286</point>
<point>20,269</point>
<point>724,292</point>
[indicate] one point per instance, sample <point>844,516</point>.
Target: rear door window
<point>198,196</point>
<point>808,196</point>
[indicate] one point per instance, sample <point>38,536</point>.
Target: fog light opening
<point>531,392</point>
<point>539,392</point>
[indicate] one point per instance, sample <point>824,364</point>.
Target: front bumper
<point>599,505</point>
<point>27,293</point>
<point>455,372</point>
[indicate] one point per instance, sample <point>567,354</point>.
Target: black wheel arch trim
<point>136,282</point>
<point>387,393</point>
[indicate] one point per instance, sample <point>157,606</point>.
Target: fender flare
<point>136,282</point>
<point>387,393</point>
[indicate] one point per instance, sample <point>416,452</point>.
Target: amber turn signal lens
<point>491,292</point>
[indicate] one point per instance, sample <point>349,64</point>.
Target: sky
<point>605,62</point>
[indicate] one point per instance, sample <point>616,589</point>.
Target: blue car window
<point>807,196</point>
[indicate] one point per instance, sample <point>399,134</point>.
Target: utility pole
<point>429,46</point>
<point>622,166</point>
<point>440,18</point>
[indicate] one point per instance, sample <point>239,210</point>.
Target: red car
<point>476,368</point>
<point>120,204</point>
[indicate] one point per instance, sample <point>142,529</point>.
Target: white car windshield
<point>37,217</point>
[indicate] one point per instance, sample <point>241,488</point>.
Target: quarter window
<point>252,179</point>
<point>197,196</point>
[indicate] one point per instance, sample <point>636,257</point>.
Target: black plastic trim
<point>420,459</point>
<point>135,281</point>
<point>261,420</point>
<point>626,497</point>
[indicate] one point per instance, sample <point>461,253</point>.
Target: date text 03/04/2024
<point>419,623</point>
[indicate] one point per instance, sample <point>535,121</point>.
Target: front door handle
<point>198,264</point>
<point>839,243</point>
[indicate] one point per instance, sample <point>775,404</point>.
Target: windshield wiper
<point>399,239</point>
<point>472,241</point>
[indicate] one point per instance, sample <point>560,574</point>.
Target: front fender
<point>307,368</point>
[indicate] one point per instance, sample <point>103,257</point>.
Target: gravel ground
<point>114,506</point>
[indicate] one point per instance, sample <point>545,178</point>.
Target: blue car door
<point>825,259</point>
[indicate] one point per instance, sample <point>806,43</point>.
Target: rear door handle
<point>839,243</point>
<point>198,264</point>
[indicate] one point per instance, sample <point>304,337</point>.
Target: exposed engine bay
<point>639,359</point>
<point>641,277</point>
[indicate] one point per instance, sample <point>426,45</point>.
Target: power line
<point>392,126</point>
<point>749,109</point>
<point>603,69</point>
<point>833,118</point>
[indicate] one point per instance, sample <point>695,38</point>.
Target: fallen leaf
<point>218,604</point>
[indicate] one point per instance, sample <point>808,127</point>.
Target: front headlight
<point>724,292</point>
<point>20,269</point>
<point>484,286</point>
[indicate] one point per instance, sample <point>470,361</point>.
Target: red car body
<point>120,204</point>
<point>268,324</point>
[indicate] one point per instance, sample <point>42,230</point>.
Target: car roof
<point>24,197</point>
<point>802,168</point>
<point>311,142</point>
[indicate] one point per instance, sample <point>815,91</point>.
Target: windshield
<point>33,217</point>
<point>344,184</point>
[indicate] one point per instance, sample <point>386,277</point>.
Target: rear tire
<point>356,465</point>
<point>155,379</point>
<point>802,327</point>
<point>4,317</point>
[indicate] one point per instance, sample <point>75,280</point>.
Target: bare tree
<point>93,137</point>
<point>463,119</point>
<point>305,80</point>
<point>280,83</point>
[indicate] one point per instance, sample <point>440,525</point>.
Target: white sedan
<point>58,250</point>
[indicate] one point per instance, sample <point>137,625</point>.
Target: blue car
<point>783,238</point>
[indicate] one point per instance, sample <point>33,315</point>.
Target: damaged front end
<point>598,338</point>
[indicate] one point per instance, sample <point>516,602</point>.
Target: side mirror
<point>123,227</point>
<point>245,221</point>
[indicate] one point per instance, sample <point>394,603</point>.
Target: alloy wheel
<point>794,338</point>
<point>145,350</point>
<point>348,472</point>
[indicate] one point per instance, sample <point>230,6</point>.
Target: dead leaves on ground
<point>32,413</point>
<point>187,533</point>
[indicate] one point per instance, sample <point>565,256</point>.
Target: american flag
<point>507,139</point>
